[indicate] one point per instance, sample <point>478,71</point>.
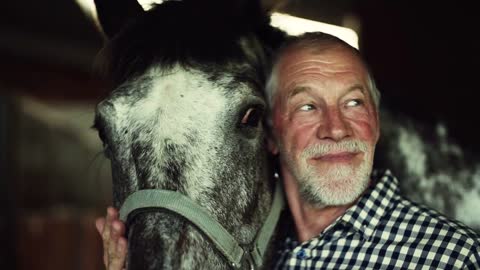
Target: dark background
<point>423,54</point>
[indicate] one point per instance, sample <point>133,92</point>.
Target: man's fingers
<point>118,260</point>
<point>111,215</point>
<point>108,243</point>
<point>116,256</point>
<point>112,231</point>
<point>100,224</point>
<point>118,228</point>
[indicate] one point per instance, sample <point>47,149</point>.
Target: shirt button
<point>302,254</point>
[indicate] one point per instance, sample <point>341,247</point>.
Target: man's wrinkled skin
<point>112,231</point>
<point>322,110</point>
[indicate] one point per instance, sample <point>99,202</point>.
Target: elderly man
<point>325,125</point>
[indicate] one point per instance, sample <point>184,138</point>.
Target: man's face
<point>325,124</point>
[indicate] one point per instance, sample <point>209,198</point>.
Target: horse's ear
<point>271,36</point>
<point>113,15</point>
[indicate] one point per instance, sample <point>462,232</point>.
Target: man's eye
<point>307,107</point>
<point>354,103</point>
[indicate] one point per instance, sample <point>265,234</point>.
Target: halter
<point>236,253</point>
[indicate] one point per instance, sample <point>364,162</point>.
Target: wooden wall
<point>48,216</point>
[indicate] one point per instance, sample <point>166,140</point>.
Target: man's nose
<point>334,127</point>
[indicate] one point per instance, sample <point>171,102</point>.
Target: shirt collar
<point>367,213</point>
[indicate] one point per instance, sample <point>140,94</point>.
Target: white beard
<point>339,185</point>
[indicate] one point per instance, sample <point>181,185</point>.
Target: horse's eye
<point>252,117</point>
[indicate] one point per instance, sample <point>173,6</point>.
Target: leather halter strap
<point>150,199</point>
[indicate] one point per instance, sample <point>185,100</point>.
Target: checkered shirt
<point>383,230</point>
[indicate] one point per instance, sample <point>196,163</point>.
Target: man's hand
<point>112,231</point>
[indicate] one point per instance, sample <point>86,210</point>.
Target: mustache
<point>328,148</point>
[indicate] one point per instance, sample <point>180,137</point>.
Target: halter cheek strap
<point>151,199</point>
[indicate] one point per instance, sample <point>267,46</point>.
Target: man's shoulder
<point>421,222</point>
<point>434,217</point>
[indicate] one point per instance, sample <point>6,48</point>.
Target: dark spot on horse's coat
<point>192,137</point>
<point>181,95</point>
<point>144,254</point>
<point>143,160</point>
<point>174,163</point>
<point>182,243</point>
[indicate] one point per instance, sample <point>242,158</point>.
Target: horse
<point>186,117</point>
<point>432,167</point>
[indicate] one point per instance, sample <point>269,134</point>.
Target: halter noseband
<point>148,199</point>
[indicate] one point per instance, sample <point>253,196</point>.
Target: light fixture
<point>296,26</point>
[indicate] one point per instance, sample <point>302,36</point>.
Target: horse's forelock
<point>188,34</point>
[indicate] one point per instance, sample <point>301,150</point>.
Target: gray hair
<point>313,40</point>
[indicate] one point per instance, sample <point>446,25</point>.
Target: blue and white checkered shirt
<point>386,231</point>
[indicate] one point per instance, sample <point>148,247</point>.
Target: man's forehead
<point>297,66</point>
<point>327,50</point>
<point>330,59</point>
<point>305,89</point>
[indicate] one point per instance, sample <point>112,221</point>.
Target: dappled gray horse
<point>432,168</point>
<point>185,116</point>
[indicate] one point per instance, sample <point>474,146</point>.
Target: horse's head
<point>186,116</point>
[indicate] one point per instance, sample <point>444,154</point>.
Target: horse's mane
<point>192,34</point>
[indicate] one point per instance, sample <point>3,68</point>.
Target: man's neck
<point>309,221</point>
